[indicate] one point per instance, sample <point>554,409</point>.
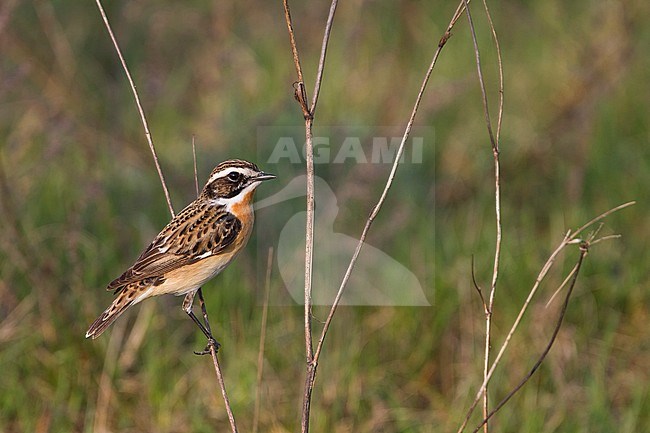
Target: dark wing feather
<point>196,233</point>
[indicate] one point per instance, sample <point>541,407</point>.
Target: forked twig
<point>389,181</point>
<point>308,114</point>
<point>323,54</point>
<point>479,70</point>
<point>301,96</point>
<point>573,275</point>
<point>494,140</point>
<point>569,239</point>
<point>300,91</point>
<point>139,105</point>
<point>312,357</point>
<point>497,48</point>
<point>213,349</point>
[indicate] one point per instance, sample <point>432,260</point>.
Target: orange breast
<point>243,206</point>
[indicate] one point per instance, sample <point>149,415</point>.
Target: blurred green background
<point>80,198</point>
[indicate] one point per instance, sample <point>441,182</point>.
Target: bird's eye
<point>234,176</point>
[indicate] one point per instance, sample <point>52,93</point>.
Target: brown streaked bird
<point>194,247</point>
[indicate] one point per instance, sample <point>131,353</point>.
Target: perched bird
<point>194,247</point>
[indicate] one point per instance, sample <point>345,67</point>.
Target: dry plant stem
<point>139,105</point>
<point>497,186</point>
<point>478,288</point>
<point>569,238</point>
<point>479,70</point>
<point>573,275</point>
<point>389,182</point>
<point>260,353</point>
<point>301,97</point>
<point>213,349</point>
<point>196,173</point>
<point>300,92</point>
<point>497,48</point>
<point>309,238</point>
<point>323,54</point>
<point>143,118</point>
<point>215,361</point>
<point>531,294</point>
<point>308,114</point>
<point>222,385</point>
<point>561,286</point>
<point>310,373</point>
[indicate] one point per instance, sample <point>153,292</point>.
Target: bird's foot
<point>208,349</point>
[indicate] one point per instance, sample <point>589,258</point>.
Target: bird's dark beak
<point>265,176</point>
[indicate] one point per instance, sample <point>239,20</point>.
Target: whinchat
<point>194,247</point>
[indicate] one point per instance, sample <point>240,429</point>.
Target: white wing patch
<point>204,255</point>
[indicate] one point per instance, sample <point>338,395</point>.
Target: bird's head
<point>234,178</point>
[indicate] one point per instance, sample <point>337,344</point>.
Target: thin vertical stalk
<point>213,350</point>
<point>494,140</point>
<point>143,118</point>
<point>308,114</point>
<point>389,181</point>
<point>569,239</point>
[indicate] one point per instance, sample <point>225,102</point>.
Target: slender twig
<point>308,114</point>
<point>323,53</point>
<point>497,48</point>
<point>479,70</point>
<point>300,91</point>
<point>478,288</point>
<point>310,374</point>
<point>569,238</point>
<point>196,172</point>
<point>301,97</point>
<point>494,140</point>
<point>560,287</point>
<point>389,181</point>
<point>573,275</point>
<point>515,325</point>
<point>585,245</point>
<point>600,218</point>
<point>260,353</point>
<point>213,349</point>
<point>222,385</point>
<point>138,104</point>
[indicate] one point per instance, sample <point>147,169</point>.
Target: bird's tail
<point>125,298</point>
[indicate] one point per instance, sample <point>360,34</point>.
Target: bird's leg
<point>187,307</point>
<point>204,311</point>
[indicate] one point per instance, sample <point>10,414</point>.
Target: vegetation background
<point>79,199</point>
